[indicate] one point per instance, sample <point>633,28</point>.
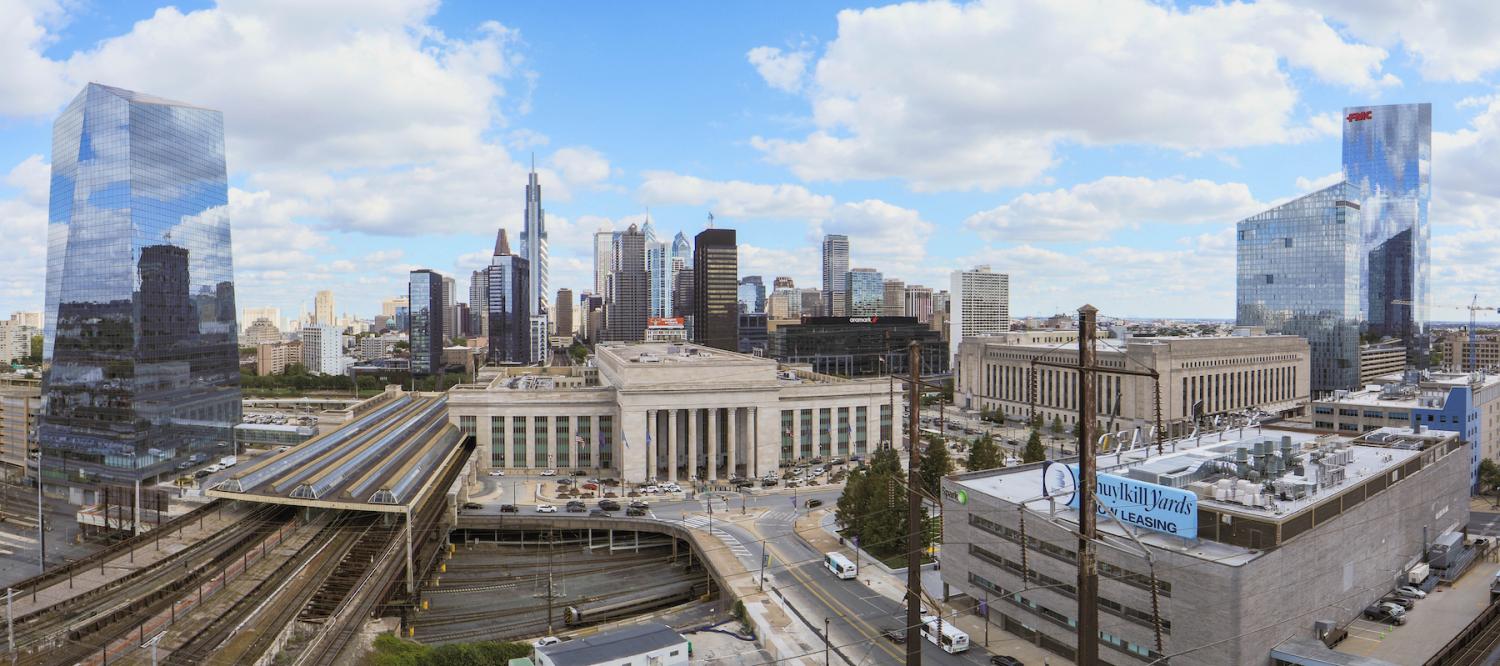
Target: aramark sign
<point>1154,507</point>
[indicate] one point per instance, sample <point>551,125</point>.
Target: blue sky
<point>1098,152</point>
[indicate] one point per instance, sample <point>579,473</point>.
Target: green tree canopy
<point>1034,451</point>
<point>984,454</point>
<point>933,466</point>
<point>1057,425</point>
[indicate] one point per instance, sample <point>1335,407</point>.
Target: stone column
<point>734,442</point>
<point>573,444</point>
<point>712,474</point>
<point>631,461</point>
<point>672,446</point>
<point>505,430</point>
<point>649,442</point>
<point>692,444</point>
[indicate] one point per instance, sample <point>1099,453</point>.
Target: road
<point>1484,524</point>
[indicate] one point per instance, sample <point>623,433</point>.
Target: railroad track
<point>208,643</point>
<point>1478,650</point>
<point>72,630</point>
<point>362,597</point>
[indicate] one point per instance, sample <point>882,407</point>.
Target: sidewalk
<point>812,527</point>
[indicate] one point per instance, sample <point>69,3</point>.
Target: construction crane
<point>1474,309</point>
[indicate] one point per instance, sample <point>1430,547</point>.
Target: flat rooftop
<point>1199,464</point>
<point>385,460</point>
<point>674,353</point>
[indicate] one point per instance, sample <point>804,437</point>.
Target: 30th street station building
<point>1259,539</point>
<point>671,412</point>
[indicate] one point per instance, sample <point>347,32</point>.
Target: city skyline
<point>351,203</point>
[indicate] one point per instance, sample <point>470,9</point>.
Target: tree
<point>983,454</point>
<point>36,349</point>
<point>393,651</point>
<point>1489,475</point>
<point>1057,425</point>
<point>1034,451</point>
<point>934,465</point>
<point>459,342</point>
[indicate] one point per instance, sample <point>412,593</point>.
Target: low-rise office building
<point>1256,538</point>
<point>859,346</point>
<point>1198,376</point>
<point>1458,357</point>
<point>1468,403</point>
<point>1380,359</point>
<point>652,644</point>
<point>669,412</point>
<point>20,401</point>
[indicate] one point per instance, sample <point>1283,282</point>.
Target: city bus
<point>839,565</point>
<point>944,635</point>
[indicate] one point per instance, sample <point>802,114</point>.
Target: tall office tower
<point>751,295</point>
<point>835,271</point>
<point>534,245</point>
<point>784,303</point>
<point>918,303</point>
<point>323,349</point>
<point>715,273</point>
<point>659,274</point>
<point>980,305</point>
<point>508,305</point>
<point>940,302</point>
<point>1297,273</point>
<point>604,243</point>
<point>864,294</point>
<point>564,313</point>
<point>683,300</point>
<point>425,318</point>
<point>140,323</point>
<point>682,253</point>
<point>450,328</point>
<point>479,299</point>
<point>813,303</point>
<point>625,314</point>
<point>893,299</point>
<point>1388,159</point>
<point>323,308</point>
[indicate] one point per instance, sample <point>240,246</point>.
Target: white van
<point>839,565</point>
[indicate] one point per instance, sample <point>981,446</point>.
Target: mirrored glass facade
<point>509,306</point>
<point>866,295</point>
<point>425,291</point>
<point>1388,159</point>
<point>1298,273</point>
<point>141,340</point>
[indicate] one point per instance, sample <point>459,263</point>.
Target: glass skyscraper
<point>507,312</point>
<point>425,294</point>
<point>1298,273</point>
<point>866,292</point>
<point>141,340</point>
<point>1388,160</point>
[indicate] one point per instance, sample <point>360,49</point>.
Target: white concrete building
<point>323,349</point>
<point>671,412</point>
<point>980,305</point>
<point>15,341</point>
<point>653,644</point>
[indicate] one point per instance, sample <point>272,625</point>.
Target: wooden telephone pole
<point>913,511</point>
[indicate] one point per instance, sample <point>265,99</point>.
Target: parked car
<point>897,636</point>
<point>1411,592</point>
<point>546,508</point>
<point>509,508</point>
<point>1399,600</point>
<point>201,473</point>
<point>590,486</point>
<point>216,467</point>
<point>635,512</point>
<point>282,449</point>
<point>744,483</point>
<point>545,641</point>
<point>579,472</point>
<point>597,513</point>
<point>651,489</point>
<point>1005,660</point>
<point>473,506</point>
<point>496,472</point>
<point>639,505</point>
<point>609,505</point>
<point>1381,613</point>
<point>767,483</point>
<point>549,472</point>
<point>813,503</point>
<point>564,482</point>
<point>836,461</point>
<point>576,506</point>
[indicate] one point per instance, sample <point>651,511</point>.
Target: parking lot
<point>1429,625</point>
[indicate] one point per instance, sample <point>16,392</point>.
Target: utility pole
<point>825,641</point>
<point>762,584</point>
<point>1088,565</point>
<point>913,514</point>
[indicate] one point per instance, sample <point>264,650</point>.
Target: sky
<point>1098,152</point>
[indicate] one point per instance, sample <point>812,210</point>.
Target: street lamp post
<point>825,641</point>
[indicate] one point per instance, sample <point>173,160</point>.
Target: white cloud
<point>1095,210</point>
<point>734,198</point>
<point>801,263</point>
<point>980,95</point>
<point>30,83</point>
<point>881,235</point>
<point>1305,184</point>
<point>1450,41</point>
<point>782,71</point>
<point>581,165</point>
<point>23,225</point>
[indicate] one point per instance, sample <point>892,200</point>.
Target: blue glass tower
<point>425,294</point>
<point>509,305</point>
<point>141,335</point>
<point>1298,273</point>
<point>1388,160</point>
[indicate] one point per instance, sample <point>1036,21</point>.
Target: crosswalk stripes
<point>700,522</point>
<point>784,516</point>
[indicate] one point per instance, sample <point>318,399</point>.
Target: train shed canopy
<point>385,459</point>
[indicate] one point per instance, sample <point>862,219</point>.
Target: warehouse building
<point>1253,538</point>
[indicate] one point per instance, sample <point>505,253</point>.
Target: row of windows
<point>1139,580</point>
<point>1224,391</point>
<point>1137,650</point>
<point>1067,589</point>
<point>853,438</point>
<point>577,451</point>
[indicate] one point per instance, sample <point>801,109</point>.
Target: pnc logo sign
<point>1359,115</point>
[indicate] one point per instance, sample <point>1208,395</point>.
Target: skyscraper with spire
<point>534,250</point>
<point>508,310</point>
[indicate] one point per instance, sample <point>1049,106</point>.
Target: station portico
<point>671,412</point>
